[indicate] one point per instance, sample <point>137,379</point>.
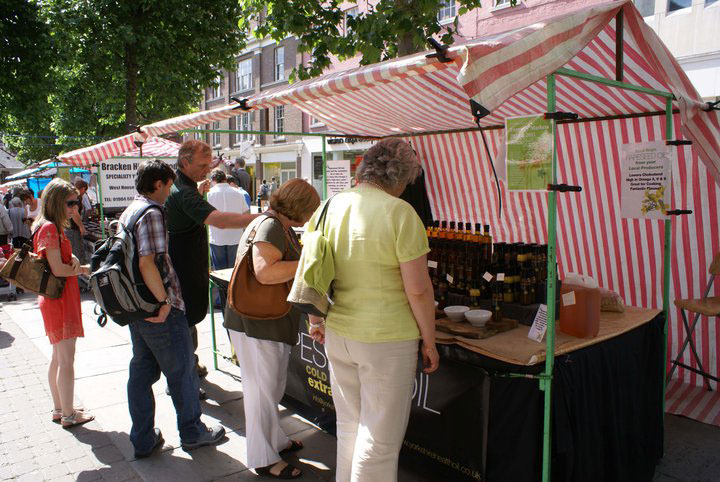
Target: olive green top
<point>285,329</point>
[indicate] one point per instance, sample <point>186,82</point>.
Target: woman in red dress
<point>62,316</point>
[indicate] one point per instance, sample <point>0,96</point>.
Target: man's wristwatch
<point>166,301</point>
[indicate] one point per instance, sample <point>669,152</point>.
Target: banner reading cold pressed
<point>646,172</point>
<point>529,148</point>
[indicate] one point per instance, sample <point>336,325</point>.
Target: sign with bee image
<point>646,179</point>
<point>529,148</point>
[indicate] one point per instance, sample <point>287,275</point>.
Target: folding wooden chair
<point>708,306</point>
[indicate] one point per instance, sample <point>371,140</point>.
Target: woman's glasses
<point>74,203</point>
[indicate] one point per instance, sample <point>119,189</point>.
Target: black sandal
<point>295,445</point>
<point>285,473</point>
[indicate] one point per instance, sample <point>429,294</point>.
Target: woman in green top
<point>263,346</point>
<point>383,302</point>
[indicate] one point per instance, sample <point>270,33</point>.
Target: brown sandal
<point>77,418</point>
<point>285,473</point>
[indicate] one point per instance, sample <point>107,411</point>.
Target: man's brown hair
<point>189,149</point>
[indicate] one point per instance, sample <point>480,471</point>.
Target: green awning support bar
<point>274,133</point>
<point>612,83</point>
<point>547,375</point>
<point>666,258</point>
<point>324,158</point>
<point>100,198</point>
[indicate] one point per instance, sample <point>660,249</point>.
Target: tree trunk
<point>406,45</point>
<point>131,86</point>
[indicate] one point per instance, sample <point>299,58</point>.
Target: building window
<point>315,122</point>
<point>243,122</point>
<point>198,135</point>
<point>499,4</point>
<point>279,120</point>
<point>710,2</point>
<point>352,13</point>
<point>216,90</point>
<point>674,5</point>
<point>280,63</point>
<point>645,7</point>
<point>447,11</point>
<point>216,135</point>
<point>243,75</point>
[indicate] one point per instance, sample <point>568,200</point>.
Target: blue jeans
<point>223,256</point>
<point>167,348</point>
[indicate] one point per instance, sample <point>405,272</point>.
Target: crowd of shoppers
<point>382,303</point>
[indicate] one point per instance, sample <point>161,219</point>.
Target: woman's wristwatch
<point>166,301</point>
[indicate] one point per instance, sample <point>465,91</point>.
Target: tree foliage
<point>388,29</point>
<point>115,64</point>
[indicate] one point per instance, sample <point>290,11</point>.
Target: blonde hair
<point>296,199</point>
<point>52,204</point>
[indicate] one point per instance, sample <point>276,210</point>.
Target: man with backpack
<point>162,342</point>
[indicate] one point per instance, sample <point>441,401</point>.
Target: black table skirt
<point>471,422</point>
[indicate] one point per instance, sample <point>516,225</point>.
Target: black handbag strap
<point>323,215</point>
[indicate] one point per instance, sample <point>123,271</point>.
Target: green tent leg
<point>100,198</point>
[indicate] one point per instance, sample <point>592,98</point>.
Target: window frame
<point>216,90</point>
<point>279,63</point>
<point>501,5</point>
<point>240,75</point>
<point>345,17</point>
<point>279,121</point>
<point>447,11</point>
<point>216,141</point>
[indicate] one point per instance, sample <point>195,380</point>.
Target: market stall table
<point>480,416</point>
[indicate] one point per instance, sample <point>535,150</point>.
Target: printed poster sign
<point>118,182</point>
<point>338,176</point>
<point>646,173</point>
<point>529,149</point>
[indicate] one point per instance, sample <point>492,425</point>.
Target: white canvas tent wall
<point>427,101</point>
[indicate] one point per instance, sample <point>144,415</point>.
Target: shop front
<point>337,149</point>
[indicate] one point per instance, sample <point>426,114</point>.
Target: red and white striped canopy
<point>155,147</point>
<point>87,156</point>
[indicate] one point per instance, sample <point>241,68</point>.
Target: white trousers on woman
<point>372,386</point>
<point>263,365</point>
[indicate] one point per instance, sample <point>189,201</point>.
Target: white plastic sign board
<point>646,171</point>
<point>118,182</point>
<point>338,176</point>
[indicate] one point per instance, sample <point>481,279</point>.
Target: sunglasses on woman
<point>74,203</point>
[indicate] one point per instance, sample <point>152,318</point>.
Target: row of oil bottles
<point>466,267</point>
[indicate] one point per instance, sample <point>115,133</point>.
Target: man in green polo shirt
<point>187,214</point>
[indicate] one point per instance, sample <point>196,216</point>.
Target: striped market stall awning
<point>155,147</point>
<point>428,102</point>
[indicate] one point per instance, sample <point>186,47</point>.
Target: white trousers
<point>372,386</point>
<point>264,366</point>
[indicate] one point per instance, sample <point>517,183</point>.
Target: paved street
<point>32,448</point>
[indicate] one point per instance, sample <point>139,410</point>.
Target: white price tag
<point>539,326</point>
<point>487,277</point>
<point>568,299</point>
<point>432,264</point>
<point>500,277</point>
<point>449,278</point>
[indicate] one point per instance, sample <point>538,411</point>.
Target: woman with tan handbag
<point>267,257</point>
<point>62,316</point>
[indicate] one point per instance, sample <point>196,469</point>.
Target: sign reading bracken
<point>529,149</point>
<point>118,182</point>
<point>646,173</point>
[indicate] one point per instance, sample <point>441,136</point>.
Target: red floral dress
<point>62,316</point>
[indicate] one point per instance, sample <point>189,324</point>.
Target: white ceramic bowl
<point>478,317</point>
<point>455,313</point>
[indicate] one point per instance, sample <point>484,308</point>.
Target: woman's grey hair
<point>389,163</point>
<point>16,202</point>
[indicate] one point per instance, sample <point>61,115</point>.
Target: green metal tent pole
<point>324,158</point>
<point>546,380</point>
<point>211,306</point>
<point>283,133</point>
<point>100,198</point>
<point>666,258</point>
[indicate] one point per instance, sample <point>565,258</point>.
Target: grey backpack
<point>116,281</point>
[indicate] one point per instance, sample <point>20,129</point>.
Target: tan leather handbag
<point>246,295</point>
<point>32,273</point>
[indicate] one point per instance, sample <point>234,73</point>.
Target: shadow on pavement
<point>6,339</point>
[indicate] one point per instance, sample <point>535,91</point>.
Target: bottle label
<point>449,278</point>
<point>432,264</point>
<point>500,277</point>
<point>568,299</point>
<point>487,277</point>
<point>539,326</point>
